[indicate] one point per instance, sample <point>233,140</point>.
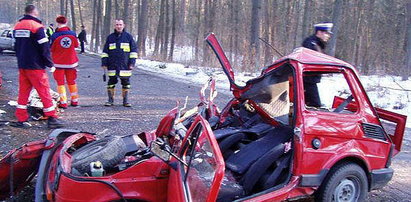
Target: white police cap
<point>325,26</point>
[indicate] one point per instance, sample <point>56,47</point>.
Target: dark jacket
<point>314,43</point>
<point>120,51</point>
<point>82,36</point>
<point>32,45</point>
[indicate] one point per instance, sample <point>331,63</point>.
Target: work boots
<point>53,123</point>
<point>110,93</point>
<point>125,98</point>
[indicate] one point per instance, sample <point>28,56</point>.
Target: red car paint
<point>341,135</point>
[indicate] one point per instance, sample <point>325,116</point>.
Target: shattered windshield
<point>200,173</point>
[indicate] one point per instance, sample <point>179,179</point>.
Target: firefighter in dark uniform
<point>119,57</point>
<point>316,42</point>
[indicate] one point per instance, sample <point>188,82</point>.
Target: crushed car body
<point>266,144</point>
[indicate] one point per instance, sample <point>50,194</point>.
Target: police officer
<point>316,42</point>
<point>33,56</point>
<point>82,37</point>
<point>319,40</point>
<point>119,57</point>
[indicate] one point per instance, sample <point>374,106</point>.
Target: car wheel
<point>345,183</point>
<point>109,151</point>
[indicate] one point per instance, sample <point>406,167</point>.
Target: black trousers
<point>125,82</point>
<point>82,46</point>
<point>311,94</point>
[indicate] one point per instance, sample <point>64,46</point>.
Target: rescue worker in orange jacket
<point>119,57</point>
<point>64,42</point>
<point>33,56</point>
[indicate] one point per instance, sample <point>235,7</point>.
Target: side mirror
<point>159,149</point>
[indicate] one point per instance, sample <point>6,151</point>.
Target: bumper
<point>379,178</point>
<point>55,137</point>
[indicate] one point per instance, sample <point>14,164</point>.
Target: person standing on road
<point>82,37</point>
<point>50,30</point>
<point>316,42</point>
<point>33,56</point>
<point>118,58</point>
<point>64,42</point>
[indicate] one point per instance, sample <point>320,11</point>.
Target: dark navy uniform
<point>314,43</point>
<point>119,54</point>
<point>311,94</point>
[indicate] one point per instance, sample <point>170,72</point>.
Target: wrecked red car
<point>266,144</point>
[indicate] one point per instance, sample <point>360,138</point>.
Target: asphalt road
<point>152,97</point>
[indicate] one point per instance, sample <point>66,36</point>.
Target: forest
<point>373,35</point>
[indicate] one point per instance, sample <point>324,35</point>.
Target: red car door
<point>200,176</point>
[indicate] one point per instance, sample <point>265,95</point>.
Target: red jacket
<point>63,53</point>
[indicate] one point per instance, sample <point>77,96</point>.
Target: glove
<point>104,67</point>
<point>131,67</point>
<point>52,69</point>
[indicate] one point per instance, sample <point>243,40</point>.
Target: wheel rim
<point>347,190</point>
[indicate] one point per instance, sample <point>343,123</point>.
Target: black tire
<point>346,182</point>
<point>109,151</point>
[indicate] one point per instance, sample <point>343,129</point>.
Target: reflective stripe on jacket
<point>120,52</point>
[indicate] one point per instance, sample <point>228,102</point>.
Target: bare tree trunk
<point>73,15</point>
<point>81,15</point>
<point>62,7</point>
<point>93,24</point>
<point>98,26</point>
<point>254,33</point>
<point>117,9</point>
<point>160,28</point>
<point>356,41</point>
<point>173,30</point>
<point>181,20</point>
<point>237,8</point>
<point>164,47</point>
<point>297,22</point>
<point>132,17</point>
<point>66,8</point>
<point>142,28</point>
<point>367,40</point>
<point>307,18</point>
<point>408,43</point>
<point>107,19</point>
<point>338,6</point>
<point>209,18</point>
<point>266,34</point>
<point>126,12</point>
<point>197,5</point>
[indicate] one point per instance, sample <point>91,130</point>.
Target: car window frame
<point>345,75</point>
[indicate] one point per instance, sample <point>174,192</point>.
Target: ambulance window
<point>328,92</point>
